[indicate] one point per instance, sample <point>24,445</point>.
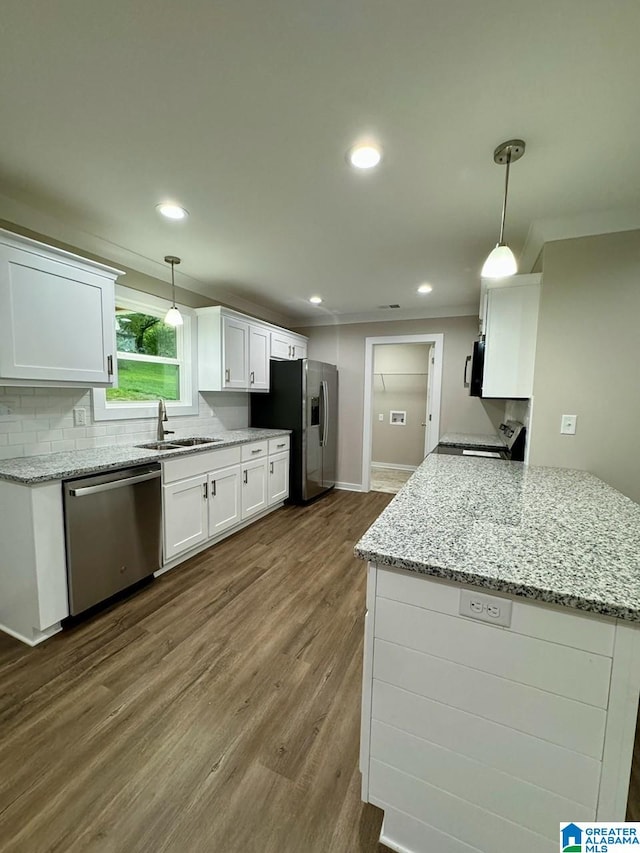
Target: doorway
<point>403,379</point>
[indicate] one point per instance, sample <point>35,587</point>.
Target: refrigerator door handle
<point>324,401</point>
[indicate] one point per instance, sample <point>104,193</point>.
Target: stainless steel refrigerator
<point>303,397</point>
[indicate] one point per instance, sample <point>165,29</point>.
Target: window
<point>155,361</point>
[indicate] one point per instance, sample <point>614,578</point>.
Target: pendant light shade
<point>173,317</point>
<point>501,261</point>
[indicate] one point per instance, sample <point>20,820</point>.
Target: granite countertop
<point>76,463</point>
<point>458,439</point>
<point>553,534</point>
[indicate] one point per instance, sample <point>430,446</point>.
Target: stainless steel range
<point>509,443</point>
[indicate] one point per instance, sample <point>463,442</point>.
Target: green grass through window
<point>143,380</point>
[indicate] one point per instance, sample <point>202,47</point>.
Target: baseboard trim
<point>349,487</point>
<point>397,467</point>
<point>42,635</point>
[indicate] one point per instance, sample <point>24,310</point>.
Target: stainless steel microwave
<point>477,369</point>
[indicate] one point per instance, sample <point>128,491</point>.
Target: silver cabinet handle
<point>110,365</point>
<point>227,375</point>
<point>284,444</point>
<point>114,484</point>
<point>289,350</point>
<point>213,489</point>
<point>258,450</point>
<point>271,468</point>
<point>205,491</point>
<point>293,352</point>
<point>253,377</point>
<point>246,476</point>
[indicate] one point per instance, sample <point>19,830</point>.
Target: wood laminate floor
<point>217,711</point>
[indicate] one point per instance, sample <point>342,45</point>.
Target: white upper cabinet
<point>235,353</point>
<point>510,345</point>
<point>285,346</point>
<point>56,316</point>
<point>258,358</point>
<point>234,350</point>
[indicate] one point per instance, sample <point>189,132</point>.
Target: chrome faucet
<point>162,418</point>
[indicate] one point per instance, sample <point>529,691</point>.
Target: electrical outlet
<point>80,417</point>
<point>487,608</point>
<point>568,424</point>
<point>380,417</point>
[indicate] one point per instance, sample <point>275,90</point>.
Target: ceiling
<point>242,111</point>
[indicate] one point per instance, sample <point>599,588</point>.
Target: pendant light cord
<point>504,202</point>
<point>173,279</point>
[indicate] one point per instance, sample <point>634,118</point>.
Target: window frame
<point>145,303</point>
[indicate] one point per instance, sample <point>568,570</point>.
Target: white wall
<point>587,358</point>
<point>41,421</point>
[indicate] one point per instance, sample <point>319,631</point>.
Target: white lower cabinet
<point>186,522</point>
<point>209,495</point>
<point>254,487</point>
<point>278,477</point>
<point>224,500</point>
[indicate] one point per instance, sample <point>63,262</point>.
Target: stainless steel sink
<point>178,443</point>
<point>159,445</point>
<point>194,442</point>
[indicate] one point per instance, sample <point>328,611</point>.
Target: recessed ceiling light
<point>365,156</point>
<point>171,210</point>
<point>425,288</point>
<point>316,300</point>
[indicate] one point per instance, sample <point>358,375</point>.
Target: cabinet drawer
<point>199,463</point>
<point>556,625</point>
<point>279,444</point>
<point>255,450</point>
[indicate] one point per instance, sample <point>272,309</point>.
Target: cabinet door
<point>512,324</point>
<point>258,358</point>
<point>186,521</point>
<point>56,320</point>
<point>254,487</point>
<point>278,478</point>
<point>224,499</point>
<point>280,346</point>
<point>298,350</point>
<point>235,352</point>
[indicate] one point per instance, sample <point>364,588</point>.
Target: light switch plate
<point>568,424</point>
<point>487,608</point>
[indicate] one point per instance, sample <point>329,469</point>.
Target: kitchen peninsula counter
<point>501,666</point>
<point>557,535</point>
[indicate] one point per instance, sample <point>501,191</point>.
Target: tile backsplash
<point>40,420</point>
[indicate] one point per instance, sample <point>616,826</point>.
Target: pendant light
<point>501,261</point>
<point>174,317</point>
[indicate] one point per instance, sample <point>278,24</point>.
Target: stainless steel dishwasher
<point>113,532</point>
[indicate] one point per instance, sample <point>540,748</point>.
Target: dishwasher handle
<point>114,484</point>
